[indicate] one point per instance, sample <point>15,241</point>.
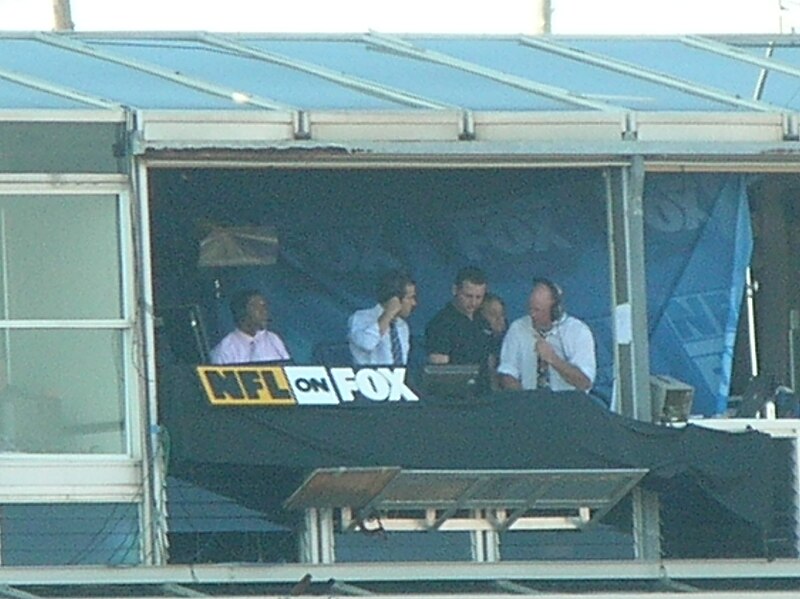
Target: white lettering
<point>345,382</point>
<point>372,385</point>
<point>397,380</point>
<point>311,385</point>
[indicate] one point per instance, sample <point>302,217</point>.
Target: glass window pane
<point>62,391</point>
<point>104,79</point>
<point>69,534</point>
<point>428,79</point>
<point>55,147</point>
<point>59,257</point>
<point>249,75</point>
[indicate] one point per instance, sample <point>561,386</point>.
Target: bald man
<point>547,348</point>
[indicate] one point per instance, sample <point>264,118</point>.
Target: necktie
<point>397,349</point>
<point>542,374</point>
<point>252,350</point>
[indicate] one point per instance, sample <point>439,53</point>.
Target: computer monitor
<point>671,400</point>
<point>452,381</point>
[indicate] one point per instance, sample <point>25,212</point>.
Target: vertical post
<point>543,10</point>
<point>309,539</point>
<point>154,506</point>
<point>750,289</point>
<point>773,275</point>
<point>477,544</point>
<point>625,188</point>
<point>485,544</point>
<point>646,525</point>
<point>6,372</point>
<point>625,191</point>
<point>794,349</point>
<point>796,475</point>
<point>326,535</point>
<point>62,16</point>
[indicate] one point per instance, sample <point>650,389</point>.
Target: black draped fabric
<point>519,430</point>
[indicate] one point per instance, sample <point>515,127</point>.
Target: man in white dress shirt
<point>380,335</point>
<point>250,341</point>
<point>547,348</point>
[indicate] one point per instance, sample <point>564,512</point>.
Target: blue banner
<point>699,243</point>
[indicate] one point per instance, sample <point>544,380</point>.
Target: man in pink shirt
<point>250,341</point>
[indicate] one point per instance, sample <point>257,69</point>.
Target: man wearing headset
<point>547,348</point>
<point>380,335</point>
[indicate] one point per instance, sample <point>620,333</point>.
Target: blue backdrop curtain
<point>339,229</point>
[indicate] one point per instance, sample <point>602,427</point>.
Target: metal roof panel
<point>14,95</point>
<point>246,73</point>
<point>372,72</point>
<point>780,88</point>
<point>428,79</point>
<point>101,78</point>
<point>671,57</point>
<point>571,73</point>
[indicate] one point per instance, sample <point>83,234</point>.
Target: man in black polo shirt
<point>459,334</point>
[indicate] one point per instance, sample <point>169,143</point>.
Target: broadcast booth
<point>653,179</point>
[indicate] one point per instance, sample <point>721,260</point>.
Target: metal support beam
<point>405,48</point>
<point>317,540</point>
<point>740,54</point>
<point>235,96</point>
<point>796,485</point>
<point>57,90</point>
<point>154,500</point>
<point>351,81</point>
<point>91,578</point>
<point>485,543</point>
<point>688,86</point>
<point>625,188</point>
<point>646,525</point>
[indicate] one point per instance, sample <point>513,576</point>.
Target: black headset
<point>557,309</point>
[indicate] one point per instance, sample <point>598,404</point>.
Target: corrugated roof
<point>375,72</point>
